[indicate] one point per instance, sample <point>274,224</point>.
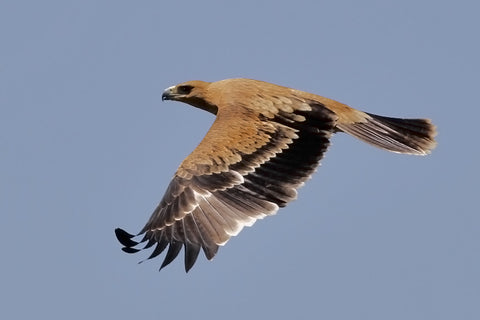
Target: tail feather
<point>410,136</point>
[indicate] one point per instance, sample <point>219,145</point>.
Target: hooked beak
<point>168,93</point>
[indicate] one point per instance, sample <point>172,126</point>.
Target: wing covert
<point>247,166</point>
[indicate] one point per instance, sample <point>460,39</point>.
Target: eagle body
<point>265,142</point>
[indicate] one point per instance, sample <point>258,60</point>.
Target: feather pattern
<point>211,205</point>
<point>265,142</point>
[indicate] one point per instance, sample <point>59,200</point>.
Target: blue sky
<point>87,146</point>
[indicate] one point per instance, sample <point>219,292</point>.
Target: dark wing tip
<point>125,238</point>
<point>172,253</point>
<point>130,250</point>
<point>191,254</point>
<point>174,248</point>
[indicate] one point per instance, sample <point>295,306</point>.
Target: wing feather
<point>213,196</point>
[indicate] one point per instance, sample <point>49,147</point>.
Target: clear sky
<point>87,145</point>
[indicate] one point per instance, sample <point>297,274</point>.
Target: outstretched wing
<point>248,165</point>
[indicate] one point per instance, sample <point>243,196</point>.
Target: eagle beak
<point>167,94</point>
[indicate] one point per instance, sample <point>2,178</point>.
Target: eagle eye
<point>184,89</point>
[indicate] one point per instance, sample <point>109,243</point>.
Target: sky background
<point>87,146</point>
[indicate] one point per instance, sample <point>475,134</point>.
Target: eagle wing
<point>250,163</point>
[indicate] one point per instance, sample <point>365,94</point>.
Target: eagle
<point>265,142</point>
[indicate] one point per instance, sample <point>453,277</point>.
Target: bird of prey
<point>265,142</point>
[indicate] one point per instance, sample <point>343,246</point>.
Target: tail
<point>410,136</point>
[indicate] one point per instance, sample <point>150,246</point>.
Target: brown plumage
<point>266,141</point>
